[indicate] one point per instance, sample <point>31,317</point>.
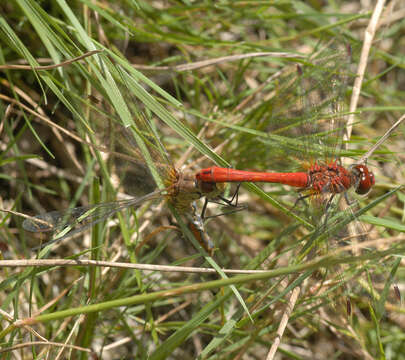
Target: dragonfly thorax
<point>334,178</point>
<point>185,189</point>
<point>329,178</point>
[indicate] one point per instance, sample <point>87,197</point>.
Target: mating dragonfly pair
<point>305,129</point>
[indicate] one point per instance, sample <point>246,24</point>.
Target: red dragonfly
<point>181,191</point>
<point>303,137</point>
<point>183,188</point>
<point>320,178</point>
<point>307,123</point>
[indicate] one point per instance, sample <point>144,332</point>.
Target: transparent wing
<point>136,174</point>
<point>136,154</point>
<point>71,221</point>
<point>301,115</point>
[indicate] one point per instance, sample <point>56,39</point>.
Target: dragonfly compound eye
<point>365,179</point>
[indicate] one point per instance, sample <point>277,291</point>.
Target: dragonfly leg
<point>327,210</point>
<point>196,226</point>
<point>300,198</point>
<point>203,209</point>
<point>235,209</point>
<point>235,197</point>
<point>348,202</point>
<point>329,203</point>
<point>233,202</point>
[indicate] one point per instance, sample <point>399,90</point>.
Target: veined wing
<point>133,166</point>
<point>72,221</point>
<point>303,115</point>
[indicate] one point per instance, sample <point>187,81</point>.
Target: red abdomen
<point>217,174</point>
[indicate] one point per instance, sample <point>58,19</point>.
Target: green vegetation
<point>198,84</point>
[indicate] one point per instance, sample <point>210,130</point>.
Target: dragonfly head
<point>364,179</point>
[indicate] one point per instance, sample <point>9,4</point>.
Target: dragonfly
<point>181,190</point>
<point>303,141</point>
<point>187,187</point>
<point>319,179</point>
<point>307,136</point>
